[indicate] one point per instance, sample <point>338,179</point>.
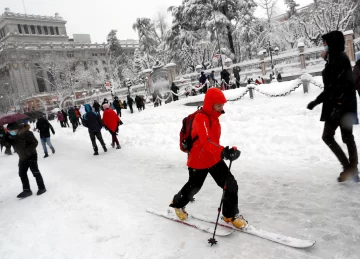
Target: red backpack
<point>186,142</point>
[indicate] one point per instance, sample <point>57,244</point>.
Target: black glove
<point>230,153</point>
<point>312,105</point>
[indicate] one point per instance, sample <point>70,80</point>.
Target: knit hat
<point>106,106</point>
<point>13,126</point>
<point>357,56</point>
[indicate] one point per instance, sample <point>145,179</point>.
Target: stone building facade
<point>26,39</point>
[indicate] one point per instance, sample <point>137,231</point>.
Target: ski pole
<point>212,240</point>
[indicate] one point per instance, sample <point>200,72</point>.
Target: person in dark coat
<point>175,90</point>
<point>225,75</point>
<point>65,122</point>
<point>237,71</point>
<point>138,102</point>
<point>339,103</point>
<point>117,106</point>
<point>25,143</point>
<point>44,127</point>
<point>105,101</point>
<point>125,104</point>
<point>96,106</point>
<point>356,72</point>
<point>4,141</point>
<point>130,102</point>
<point>73,118</point>
<point>202,81</point>
<point>92,121</point>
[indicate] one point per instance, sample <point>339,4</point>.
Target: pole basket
<point>212,241</point>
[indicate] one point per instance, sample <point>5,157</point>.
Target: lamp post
<point>217,37</point>
<point>270,52</point>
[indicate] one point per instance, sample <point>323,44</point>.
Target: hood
<point>22,130</point>
<point>88,108</point>
<point>212,96</point>
<point>336,41</point>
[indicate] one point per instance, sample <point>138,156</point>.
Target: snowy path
<point>95,206</point>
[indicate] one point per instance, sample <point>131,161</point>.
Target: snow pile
<point>95,206</point>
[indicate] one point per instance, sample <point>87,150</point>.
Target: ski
<point>249,229</point>
<point>191,222</point>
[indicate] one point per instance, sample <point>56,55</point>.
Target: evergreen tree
<point>291,4</point>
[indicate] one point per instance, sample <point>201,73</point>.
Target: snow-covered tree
<point>269,7</point>
<point>291,5</point>
<point>329,16</point>
<point>148,38</point>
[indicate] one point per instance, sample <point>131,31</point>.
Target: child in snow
<point>207,156</point>
<point>25,143</point>
<point>111,122</point>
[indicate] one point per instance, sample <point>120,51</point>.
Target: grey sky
<point>98,17</point>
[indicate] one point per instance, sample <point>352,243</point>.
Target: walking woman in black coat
<point>339,103</point>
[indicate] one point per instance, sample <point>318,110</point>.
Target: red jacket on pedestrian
<point>206,150</point>
<point>110,120</point>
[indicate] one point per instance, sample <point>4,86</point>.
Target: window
<point>39,30</point>
<point>85,65</point>
<point>19,29</point>
<point>94,54</point>
<point>104,62</point>
<point>102,54</point>
<point>57,30</point>
<point>32,28</point>
<point>46,30</point>
<point>70,55</point>
<point>51,30</point>
<point>26,29</point>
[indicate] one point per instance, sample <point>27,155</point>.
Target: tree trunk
<point>230,38</point>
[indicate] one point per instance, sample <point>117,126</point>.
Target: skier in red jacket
<point>111,122</point>
<point>206,156</point>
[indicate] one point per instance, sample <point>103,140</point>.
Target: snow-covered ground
<point>95,206</point>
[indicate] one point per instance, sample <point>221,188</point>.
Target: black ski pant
<point>31,163</point>
<point>93,140</point>
<point>346,128</point>
<point>118,111</point>
<point>66,123</point>
<point>131,108</point>
<point>74,124</point>
<point>221,174</point>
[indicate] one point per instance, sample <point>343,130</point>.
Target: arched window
<point>39,30</point>
<point>19,29</point>
<point>32,28</point>
<point>26,29</point>
<point>51,30</point>
<point>46,30</point>
<point>57,30</point>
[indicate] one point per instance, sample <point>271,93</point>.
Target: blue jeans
<point>45,141</point>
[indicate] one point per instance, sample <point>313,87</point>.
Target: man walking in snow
<point>25,143</point>
<point>206,156</point>
<point>44,127</point>
<point>92,121</point>
<point>130,102</point>
<point>339,103</point>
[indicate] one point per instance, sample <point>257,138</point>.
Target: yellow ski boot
<point>238,221</point>
<point>180,213</point>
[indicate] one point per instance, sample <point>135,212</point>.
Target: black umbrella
<point>35,114</point>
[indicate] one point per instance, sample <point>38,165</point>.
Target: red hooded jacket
<point>110,120</point>
<point>206,150</point>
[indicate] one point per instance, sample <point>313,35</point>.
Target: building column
<point>349,43</point>
<point>171,70</point>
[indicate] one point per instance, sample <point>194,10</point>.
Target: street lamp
<point>270,52</point>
